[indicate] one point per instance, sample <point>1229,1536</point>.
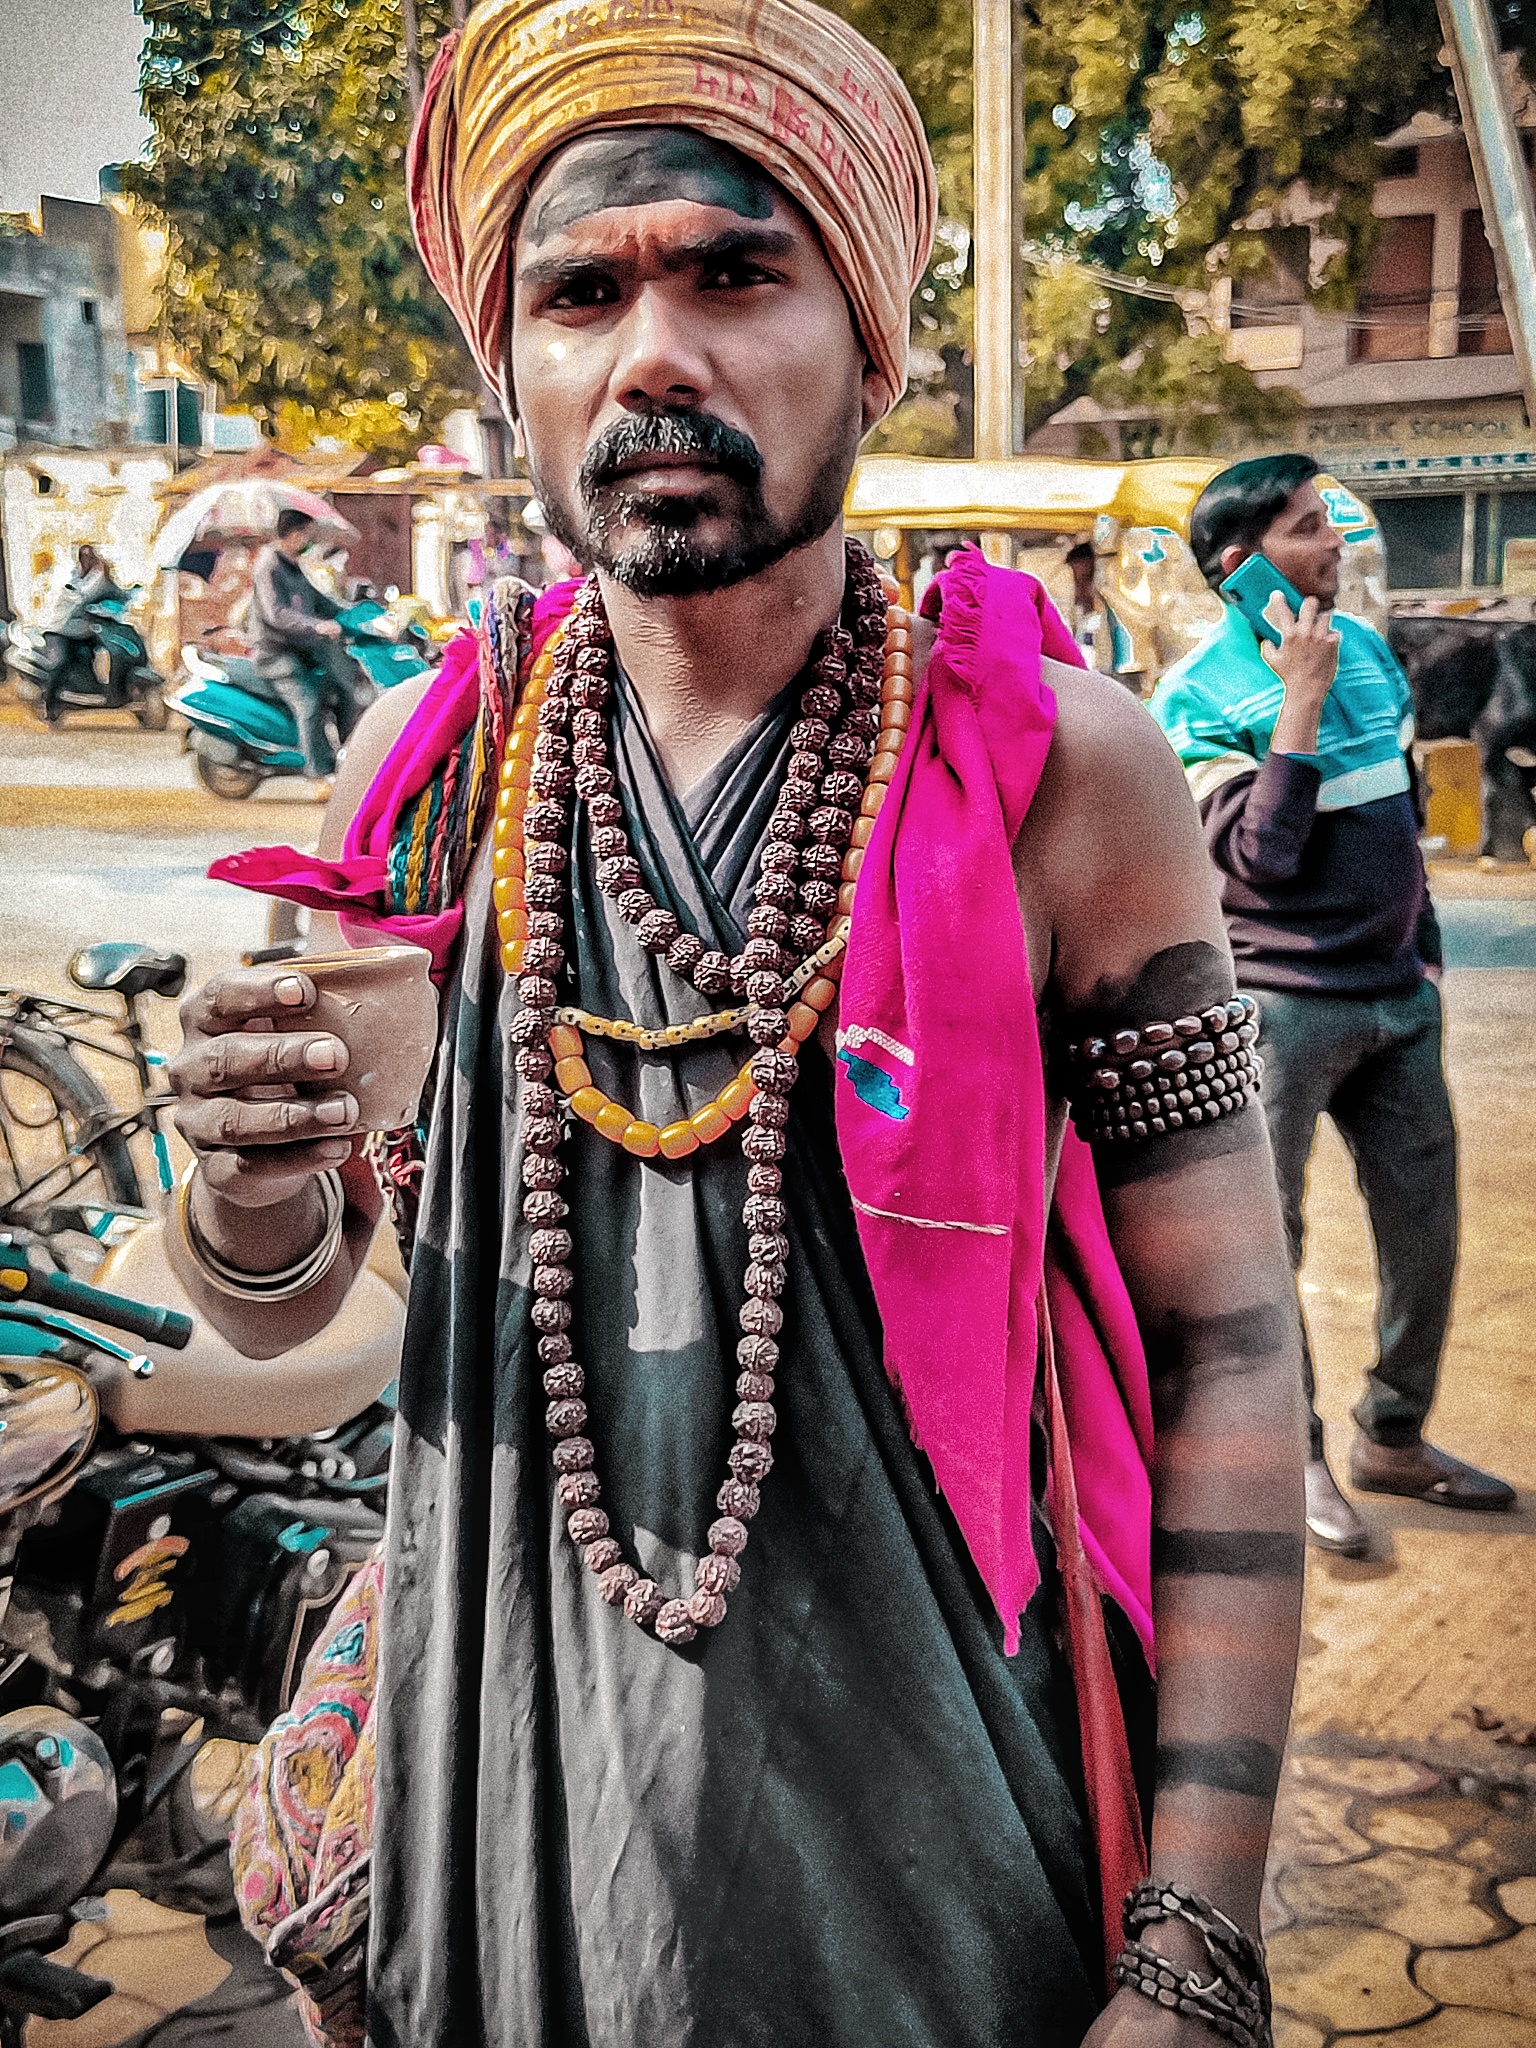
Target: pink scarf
<point>940,1096</point>
<point>941,1119</point>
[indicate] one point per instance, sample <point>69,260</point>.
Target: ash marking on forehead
<point>645,167</point>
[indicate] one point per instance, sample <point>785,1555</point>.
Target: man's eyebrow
<point>559,270</point>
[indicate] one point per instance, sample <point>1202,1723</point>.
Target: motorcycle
<point>241,734</point>
<point>105,669</point>
<point>156,1598</point>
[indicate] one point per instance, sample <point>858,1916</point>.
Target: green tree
<point>1163,139</point>
<point>278,168</point>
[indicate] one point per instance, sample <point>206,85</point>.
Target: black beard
<point>662,555</point>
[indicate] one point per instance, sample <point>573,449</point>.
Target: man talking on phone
<point>1292,721</point>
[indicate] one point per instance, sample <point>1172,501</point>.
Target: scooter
<point>108,669</point>
<point>241,734</point>
<point>155,1597</point>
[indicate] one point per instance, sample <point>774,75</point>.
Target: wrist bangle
<point>290,1280</point>
<point>1233,2001</point>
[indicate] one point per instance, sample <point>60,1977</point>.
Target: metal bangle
<point>288,1281</point>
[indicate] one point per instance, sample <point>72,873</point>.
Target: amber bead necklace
<point>855,709</point>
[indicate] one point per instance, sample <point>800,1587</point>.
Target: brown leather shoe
<point>1423,1473</point>
<point>1332,1523</point>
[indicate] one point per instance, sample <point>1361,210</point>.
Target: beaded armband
<point>1134,1085</point>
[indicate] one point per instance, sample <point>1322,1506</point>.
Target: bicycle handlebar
<point>141,1319</point>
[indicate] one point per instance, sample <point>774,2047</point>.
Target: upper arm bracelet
<point>1134,1085</point>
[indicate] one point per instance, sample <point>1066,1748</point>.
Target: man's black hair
<point>1237,508</point>
<point>290,520</point>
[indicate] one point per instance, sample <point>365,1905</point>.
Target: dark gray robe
<point>843,1819</point>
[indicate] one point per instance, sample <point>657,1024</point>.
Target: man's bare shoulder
<point>1110,861</point>
<point>363,756</point>
<point>1107,750</point>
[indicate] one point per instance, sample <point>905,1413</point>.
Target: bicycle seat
<point>128,970</point>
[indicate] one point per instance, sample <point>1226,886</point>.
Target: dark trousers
<point>320,690</point>
<point>1374,1065</point>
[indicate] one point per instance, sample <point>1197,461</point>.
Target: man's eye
<point>735,274</point>
<point>583,291</point>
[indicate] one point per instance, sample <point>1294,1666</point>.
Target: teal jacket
<point>1218,707</point>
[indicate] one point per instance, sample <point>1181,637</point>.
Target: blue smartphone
<point>1251,585</point>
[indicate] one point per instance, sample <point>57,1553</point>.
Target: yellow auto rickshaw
<point>1145,602</point>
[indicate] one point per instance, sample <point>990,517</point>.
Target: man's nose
<point>659,362</point>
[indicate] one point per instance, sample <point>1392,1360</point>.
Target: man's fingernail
<point>338,1111</point>
<point>335,1151</point>
<point>321,1054</point>
<point>289,989</point>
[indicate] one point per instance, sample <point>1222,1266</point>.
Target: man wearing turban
<point>766,1661</point>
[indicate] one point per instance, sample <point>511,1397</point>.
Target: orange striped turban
<point>786,83</point>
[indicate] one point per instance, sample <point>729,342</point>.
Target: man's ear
<point>875,396</point>
<point>1233,558</point>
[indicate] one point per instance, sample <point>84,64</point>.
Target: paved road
<point>106,833</point>
<point>1403,1884</point>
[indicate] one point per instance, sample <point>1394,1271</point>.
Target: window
<point>1422,537</point>
<point>155,422</point>
<point>88,312</point>
<point>33,381</point>
<point>1481,329</point>
<point>1500,516</point>
<point>1394,300</point>
<point>1399,163</point>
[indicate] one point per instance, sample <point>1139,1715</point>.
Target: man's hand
<point>1306,661</point>
<point>263,1107</point>
<point>260,1097</point>
<point>328,629</point>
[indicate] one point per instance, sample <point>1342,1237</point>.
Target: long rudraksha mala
<point>1135,1085</point>
<point>854,711</point>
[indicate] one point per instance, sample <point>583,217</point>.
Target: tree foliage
<point>1163,138</point>
<point>278,167</point>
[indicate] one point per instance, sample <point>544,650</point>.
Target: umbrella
<point>245,509</point>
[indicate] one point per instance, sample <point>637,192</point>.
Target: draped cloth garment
<point>940,1115</point>
<point>845,1817</point>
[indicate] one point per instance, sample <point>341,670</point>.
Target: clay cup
<point>380,1002</point>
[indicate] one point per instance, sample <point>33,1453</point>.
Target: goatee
<point>650,541</point>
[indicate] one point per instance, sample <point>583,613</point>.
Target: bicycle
<point>59,1130</point>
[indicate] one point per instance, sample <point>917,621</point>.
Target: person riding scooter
<point>68,634</point>
<point>298,648</point>
<point>85,654</point>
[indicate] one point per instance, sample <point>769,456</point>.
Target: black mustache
<point>681,433</point>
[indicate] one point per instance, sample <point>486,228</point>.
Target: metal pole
<point>1503,184</point>
<point>996,347</point>
<point>413,76</point>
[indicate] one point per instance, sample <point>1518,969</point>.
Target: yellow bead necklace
<point>813,983</point>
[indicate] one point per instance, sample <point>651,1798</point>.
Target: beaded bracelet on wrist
<point>1138,1084</point>
<point>1233,2001</point>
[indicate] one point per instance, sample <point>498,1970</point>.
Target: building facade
<point>65,375</point>
<point>1413,398</point>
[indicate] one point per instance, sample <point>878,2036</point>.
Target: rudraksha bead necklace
<point>854,712</point>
